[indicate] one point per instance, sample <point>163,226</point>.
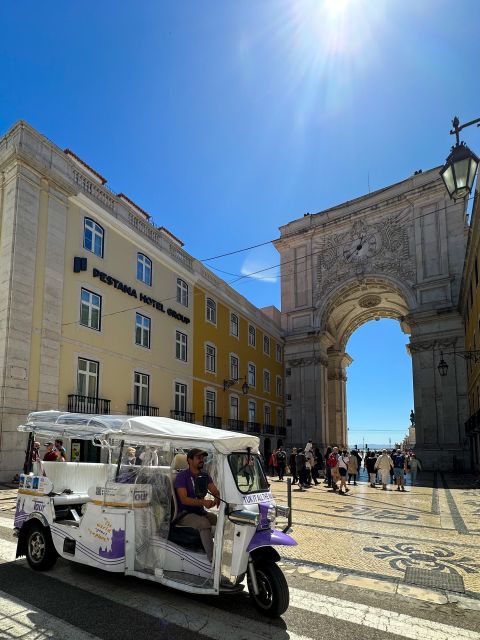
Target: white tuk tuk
<point>121,514</point>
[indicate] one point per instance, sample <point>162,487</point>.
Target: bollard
<point>289,503</point>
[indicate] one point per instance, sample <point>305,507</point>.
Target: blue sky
<point>227,119</point>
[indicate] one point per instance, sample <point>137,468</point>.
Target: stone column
<point>338,361</point>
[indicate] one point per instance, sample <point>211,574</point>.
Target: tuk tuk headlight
<point>271,515</point>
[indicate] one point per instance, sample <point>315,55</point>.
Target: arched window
<point>211,311</point>
<point>144,269</point>
<point>93,235</point>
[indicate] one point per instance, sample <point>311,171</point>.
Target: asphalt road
<point>76,602</point>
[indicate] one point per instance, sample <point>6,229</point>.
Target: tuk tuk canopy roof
<point>57,424</point>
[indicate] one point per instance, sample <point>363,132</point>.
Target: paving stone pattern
<point>431,530</point>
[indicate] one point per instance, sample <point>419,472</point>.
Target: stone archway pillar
<point>338,361</point>
<point>307,390</point>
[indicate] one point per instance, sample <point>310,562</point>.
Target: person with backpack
<point>332,465</point>
<point>370,462</point>
<point>281,463</point>
<point>399,469</point>
<point>342,462</point>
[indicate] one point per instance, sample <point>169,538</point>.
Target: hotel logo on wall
<point>80,264</point>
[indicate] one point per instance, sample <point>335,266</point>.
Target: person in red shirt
<point>51,454</point>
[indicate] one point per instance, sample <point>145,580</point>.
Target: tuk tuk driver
<point>193,510</point>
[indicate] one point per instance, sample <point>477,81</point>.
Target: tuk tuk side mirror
<point>201,485</point>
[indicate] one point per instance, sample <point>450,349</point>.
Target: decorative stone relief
<point>367,302</point>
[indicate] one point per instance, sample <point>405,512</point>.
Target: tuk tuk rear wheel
<point>274,596</point>
<point>40,550</point>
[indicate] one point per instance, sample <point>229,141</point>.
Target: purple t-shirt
<point>186,480</point>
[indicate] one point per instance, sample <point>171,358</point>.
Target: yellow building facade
<point>99,312</point>
<point>470,305</point>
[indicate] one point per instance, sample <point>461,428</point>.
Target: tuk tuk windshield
<point>248,472</point>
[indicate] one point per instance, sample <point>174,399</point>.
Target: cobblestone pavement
<point>428,536</point>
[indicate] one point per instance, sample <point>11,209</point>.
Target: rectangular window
<point>279,386</point>
<point>180,397</point>
<point>278,353</point>
<point>210,358</point>
<point>234,367</point>
<point>141,386</point>
<point>252,336</point>
<point>267,415</point>
<point>144,269</point>
<point>251,410</point>
<point>266,381</point>
<point>233,408</point>
<point>181,346</point>
<point>234,325</point>
<point>93,237</point>
<point>252,374</point>
<point>182,292</point>
<point>142,330</point>
<point>87,378</point>
<point>210,403</point>
<point>280,418</point>
<point>90,309</point>
<point>266,345</point>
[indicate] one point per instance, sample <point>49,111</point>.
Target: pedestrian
<point>343,460</point>
<point>61,449</point>
<point>301,470</point>
<point>328,472</point>
<point>332,464</point>
<point>384,465</point>
<point>414,466</point>
<point>399,469</point>
<point>370,462</point>
<point>281,463</point>
<point>272,463</point>
<point>315,467</point>
<point>352,468</point>
<point>293,465</point>
<point>358,455</point>
<point>51,454</point>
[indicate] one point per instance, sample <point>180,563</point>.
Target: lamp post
<point>458,172</point>
<point>466,355</point>
<point>231,381</point>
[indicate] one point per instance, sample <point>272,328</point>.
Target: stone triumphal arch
<point>396,253</point>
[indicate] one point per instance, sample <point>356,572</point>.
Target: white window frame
<point>96,231</point>
<point>209,399</point>
<point>211,310</point>
<point>278,352</point>
<point>141,383</point>
<point>266,341</point>
<point>144,269</point>
<point>233,366</point>
<point>279,386</point>
<point>252,406</point>
<point>180,396</point>
<point>252,336</point>
<point>210,358</point>
<point>182,292</point>
<point>268,379</point>
<point>145,330</point>
<point>232,324</point>
<point>252,375</point>
<point>91,306</point>
<point>181,346</point>
<point>267,410</point>
<point>234,407</point>
<point>88,375</point>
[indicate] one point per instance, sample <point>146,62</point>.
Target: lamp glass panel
<point>447,176</point>
<point>473,171</point>
<point>461,172</point>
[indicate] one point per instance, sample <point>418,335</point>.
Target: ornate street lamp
<point>460,168</point>
<point>466,355</point>
<point>442,366</point>
<point>229,383</point>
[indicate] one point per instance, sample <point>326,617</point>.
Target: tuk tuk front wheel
<point>273,597</point>
<point>40,550</point>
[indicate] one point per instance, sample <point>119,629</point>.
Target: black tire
<point>40,550</point>
<point>274,596</point>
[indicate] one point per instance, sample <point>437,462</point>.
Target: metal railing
<point>212,421</point>
<point>87,404</point>
<point>253,427</point>
<point>142,410</point>
<point>185,416</point>
<point>236,425</point>
<point>282,431</point>
<point>269,429</point>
